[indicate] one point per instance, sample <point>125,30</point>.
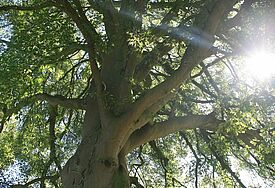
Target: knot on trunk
<point>110,163</point>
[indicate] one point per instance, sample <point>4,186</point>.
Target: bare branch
<point>53,158</point>
<point>67,51</point>
<point>162,48</point>
<point>52,137</point>
<point>150,59</point>
<point>62,101</point>
<point>162,129</point>
<point>162,158</point>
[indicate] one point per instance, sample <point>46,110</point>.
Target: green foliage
<point>46,53</point>
<point>35,62</point>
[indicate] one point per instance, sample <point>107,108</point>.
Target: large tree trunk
<point>89,167</point>
<point>86,170</point>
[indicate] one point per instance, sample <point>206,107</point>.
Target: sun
<point>260,65</point>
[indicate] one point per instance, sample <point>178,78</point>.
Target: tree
<point>119,93</point>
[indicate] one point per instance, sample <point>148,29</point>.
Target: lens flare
<point>260,65</point>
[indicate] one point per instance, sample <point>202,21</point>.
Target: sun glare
<point>261,65</point>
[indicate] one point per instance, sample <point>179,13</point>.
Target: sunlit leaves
<point>47,54</point>
<point>7,147</point>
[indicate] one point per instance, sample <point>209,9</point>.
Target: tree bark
<point>86,169</point>
<point>100,159</point>
<point>91,166</point>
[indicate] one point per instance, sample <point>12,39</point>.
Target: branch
<point>194,55</point>
<point>62,101</point>
<point>236,20</point>
<point>160,155</point>
<point>249,136</point>
<point>9,111</point>
<point>53,112</point>
<point>67,51</point>
<point>26,8</point>
<point>91,37</point>
<point>53,178</point>
<point>153,4</point>
<point>53,100</point>
<point>52,137</point>
<point>204,90</point>
<point>143,119</point>
<point>162,129</point>
<point>110,17</point>
<point>219,157</point>
<point>151,59</point>
<point>129,15</point>
<point>214,62</point>
<point>210,79</point>
<point>81,20</point>
<point>182,134</point>
<point>162,48</point>
<point>134,181</point>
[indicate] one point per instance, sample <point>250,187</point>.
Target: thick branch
<point>193,56</point>
<point>162,129</point>
<point>62,101</point>
<point>82,22</point>
<point>110,18</point>
<point>144,118</point>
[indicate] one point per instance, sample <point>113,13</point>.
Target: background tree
<point>137,93</point>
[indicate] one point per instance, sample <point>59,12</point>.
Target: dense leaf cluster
<point>45,51</point>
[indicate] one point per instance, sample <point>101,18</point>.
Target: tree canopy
<point>156,87</point>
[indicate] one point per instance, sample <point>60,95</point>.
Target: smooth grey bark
<point>89,167</point>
